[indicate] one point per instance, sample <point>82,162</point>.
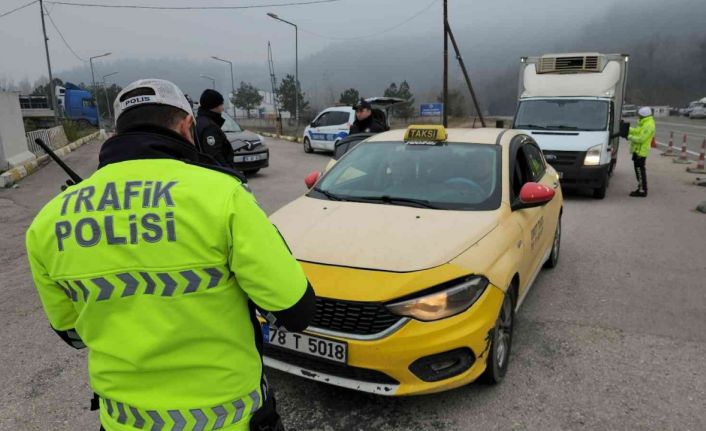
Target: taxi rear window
<point>452,176</point>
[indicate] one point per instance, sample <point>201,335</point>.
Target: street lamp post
<point>232,80</point>
<point>213,81</point>
<point>296,62</point>
<point>105,90</point>
<point>93,79</point>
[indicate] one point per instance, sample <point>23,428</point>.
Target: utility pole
<point>52,91</point>
<point>465,74</point>
<point>296,63</point>
<point>445,95</point>
<point>95,89</point>
<point>273,82</point>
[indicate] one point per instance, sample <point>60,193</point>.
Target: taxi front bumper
<point>414,358</point>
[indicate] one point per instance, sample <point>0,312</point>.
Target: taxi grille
<point>339,370</point>
<point>359,318</point>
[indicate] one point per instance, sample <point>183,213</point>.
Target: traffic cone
<point>683,159</point>
<point>701,164</point>
<point>670,149</point>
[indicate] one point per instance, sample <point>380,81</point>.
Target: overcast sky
<point>242,35</point>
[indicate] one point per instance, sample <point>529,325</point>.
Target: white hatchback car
<point>333,124</point>
<point>330,126</point>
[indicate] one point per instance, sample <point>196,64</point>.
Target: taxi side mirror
<point>533,195</point>
<point>311,179</point>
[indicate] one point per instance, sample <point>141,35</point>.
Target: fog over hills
<point>666,42</point>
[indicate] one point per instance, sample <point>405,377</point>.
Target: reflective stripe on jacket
<point>156,263</point>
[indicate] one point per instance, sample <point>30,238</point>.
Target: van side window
<point>322,120</point>
<point>87,103</point>
<point>535,161</point>
<point>339,118</point>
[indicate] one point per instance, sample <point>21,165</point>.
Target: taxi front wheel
<point>553,260</point>
<point>501,340</point>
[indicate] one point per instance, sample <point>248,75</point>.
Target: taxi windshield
<point>452,176</point>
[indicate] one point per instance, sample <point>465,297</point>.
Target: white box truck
<point>571,105</point>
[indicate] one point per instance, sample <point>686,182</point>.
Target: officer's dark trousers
<point>640,171</point>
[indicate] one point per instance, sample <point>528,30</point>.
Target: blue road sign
<point>431,109</point>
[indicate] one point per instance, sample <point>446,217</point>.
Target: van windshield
<point>562,114</point>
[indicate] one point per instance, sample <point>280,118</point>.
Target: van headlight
<point>453,300</point>
<point>593,156</point>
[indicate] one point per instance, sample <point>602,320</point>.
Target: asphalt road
<point>612,339</point>
<point>695,131</point>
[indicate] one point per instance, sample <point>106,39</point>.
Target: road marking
<point>669,123</point>
<point>678,149</point>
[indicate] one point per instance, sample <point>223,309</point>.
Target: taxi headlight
<point>439,305</point>
<point>593,156</point>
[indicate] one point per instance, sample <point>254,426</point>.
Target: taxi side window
<point>521,173</point>
<point>535,161</point>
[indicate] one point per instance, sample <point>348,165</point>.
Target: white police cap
<point>159,92</point>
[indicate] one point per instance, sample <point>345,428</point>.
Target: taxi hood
<point>379,236</point>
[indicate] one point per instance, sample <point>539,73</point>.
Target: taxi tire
<point>553,259</point>
<point>307,146</point>
<point>495,372</point>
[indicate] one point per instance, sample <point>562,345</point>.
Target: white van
<point>571,105</point>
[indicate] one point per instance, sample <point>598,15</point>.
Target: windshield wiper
<point>530,126</point>
<point>393,200</point>
<point>329,195</point>
<point>560,127</point>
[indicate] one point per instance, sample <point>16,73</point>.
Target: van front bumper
<point>572,171</point>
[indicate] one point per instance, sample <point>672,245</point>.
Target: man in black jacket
<point>365,120</point>
<point>213,140</point>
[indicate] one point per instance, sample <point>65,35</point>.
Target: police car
<point>333,124</point>
<point>421,244</point>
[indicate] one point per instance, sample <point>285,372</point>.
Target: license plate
<point>315,346</point>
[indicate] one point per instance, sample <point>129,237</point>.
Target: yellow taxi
<point>421,245</point>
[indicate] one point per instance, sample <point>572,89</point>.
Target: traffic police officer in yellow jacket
<point>641,138</point>
<point>157,263</point>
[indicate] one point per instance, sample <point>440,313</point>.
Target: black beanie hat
<point>210,99</point>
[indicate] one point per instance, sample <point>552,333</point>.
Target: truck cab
<point>77,104</point>
<point>571,105</point>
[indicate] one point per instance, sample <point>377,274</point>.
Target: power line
<point>395,27</point>
<point>113,6</point>
<point>51,20</point>
<point>18,8</point>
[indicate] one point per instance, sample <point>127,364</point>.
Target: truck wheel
<point>498,354</point>
<point>600,192</point>
<point>307,146</point>
<point>83,124</point>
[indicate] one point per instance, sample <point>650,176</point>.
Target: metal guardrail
<point>54,137</point>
